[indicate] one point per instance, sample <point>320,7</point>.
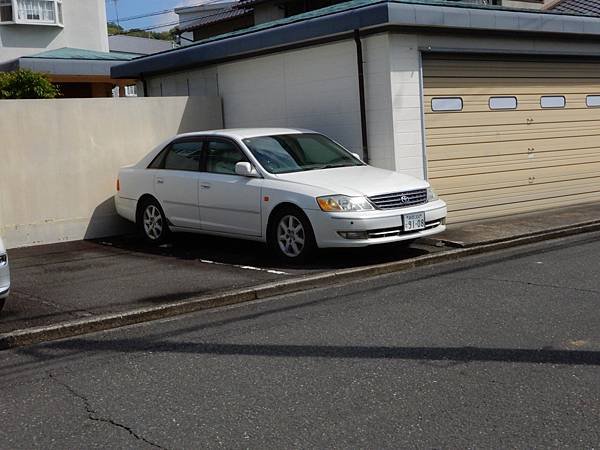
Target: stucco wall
<point>59,159</point>
<point>84,27</point>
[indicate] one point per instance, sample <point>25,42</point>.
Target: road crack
<point>93,415</point>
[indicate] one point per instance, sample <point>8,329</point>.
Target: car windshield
<point>285,153</point>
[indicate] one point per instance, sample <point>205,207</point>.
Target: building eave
<point>359,15</point>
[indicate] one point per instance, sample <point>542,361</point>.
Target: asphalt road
<point>66,281</point>
<point>499,351</point>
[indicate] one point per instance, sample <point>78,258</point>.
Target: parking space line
<point>259,269</point>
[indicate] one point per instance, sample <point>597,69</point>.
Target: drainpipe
<point>361,94</point>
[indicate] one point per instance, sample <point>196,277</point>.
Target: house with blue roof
<point>498,107</point>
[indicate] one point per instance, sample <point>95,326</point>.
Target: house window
<point>447,104</point>
<point>592,101</point>
<point>503,103</point>
<point>557,101</point>
<point>41,12</point>
<point>6,11</point>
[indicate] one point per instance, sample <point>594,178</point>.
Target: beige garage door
<point>511,136</point>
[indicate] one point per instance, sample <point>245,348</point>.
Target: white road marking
<point>259,269</point>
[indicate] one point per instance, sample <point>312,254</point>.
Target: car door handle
<point>205,185</point>
<point>159,181</point>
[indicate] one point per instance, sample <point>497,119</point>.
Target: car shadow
<point>239,252</point>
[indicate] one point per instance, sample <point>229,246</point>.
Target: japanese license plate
<point>413,222</point>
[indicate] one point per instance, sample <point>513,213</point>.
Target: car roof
<point>243,133</point>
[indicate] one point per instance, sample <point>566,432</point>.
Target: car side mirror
<point>245,169</point>
<point>357,156</point>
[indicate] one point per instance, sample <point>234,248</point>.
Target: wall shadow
<point>105,222</point>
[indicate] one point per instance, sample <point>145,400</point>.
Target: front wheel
<point>291,236</point>
<point>153,223</point>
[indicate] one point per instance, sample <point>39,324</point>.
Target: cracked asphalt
<point>495,351</point>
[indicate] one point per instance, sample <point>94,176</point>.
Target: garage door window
<point>503,103</point>
<point>593,101</point>
<point>557,101</point>
<point>447,104</point>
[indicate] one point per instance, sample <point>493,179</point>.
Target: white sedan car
<point>294,189</point>
<point>4,275</point>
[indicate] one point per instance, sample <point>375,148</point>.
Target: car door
<point>176,182</point>
<point>229,203</point>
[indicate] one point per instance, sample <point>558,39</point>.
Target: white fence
<point>59,159</point>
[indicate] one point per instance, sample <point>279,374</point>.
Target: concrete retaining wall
<point>59,159</point>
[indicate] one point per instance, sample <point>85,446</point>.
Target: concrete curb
<point>63,330</point>
<point>461,244</point>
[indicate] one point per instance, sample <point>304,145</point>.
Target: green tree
<point>113,29</point>
<point>26,84</point>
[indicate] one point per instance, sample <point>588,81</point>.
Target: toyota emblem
<point>404,199</point>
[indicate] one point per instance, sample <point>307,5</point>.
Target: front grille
<point>399,199</point>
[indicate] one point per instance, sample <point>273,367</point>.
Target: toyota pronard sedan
<point>296,190</point>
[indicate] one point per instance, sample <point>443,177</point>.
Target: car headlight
<point>340,203</point>
<point>431,195</point>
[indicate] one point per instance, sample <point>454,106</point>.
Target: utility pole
<point>115,3</point>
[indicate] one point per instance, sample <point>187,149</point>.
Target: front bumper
<point>4,281</point>
<point>382,226</point>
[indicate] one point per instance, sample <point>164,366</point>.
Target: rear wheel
<point>291,236</point>
<point>153,222</point>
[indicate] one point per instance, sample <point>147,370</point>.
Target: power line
<point>158,13</point>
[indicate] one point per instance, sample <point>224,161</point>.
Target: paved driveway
<point>59,282</point>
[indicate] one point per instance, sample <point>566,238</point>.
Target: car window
<point>184,156</point>
<point>284,153</point>
<point>222,156</point>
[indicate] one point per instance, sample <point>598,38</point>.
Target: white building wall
<point>84,27</point>
<point>393,100</point>
<point>314,88</point>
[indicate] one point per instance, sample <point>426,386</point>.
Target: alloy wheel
<point>153,222</point>
<point>291,236</point>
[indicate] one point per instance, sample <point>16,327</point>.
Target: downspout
<point>361,95</point>
<point>144,85</point>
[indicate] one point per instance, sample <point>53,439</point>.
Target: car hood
<point>356,180</point>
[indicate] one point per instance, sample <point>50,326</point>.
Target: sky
<point>128,8</point>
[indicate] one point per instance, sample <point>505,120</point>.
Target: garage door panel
<point>514,178</point>
<point>501,118</point>
<point>510,133</point>
<point>517,195</point>
<point>445,153</point>
<point>453,87</point>
<point>527,102</point>
<point>491,165</point>
<point>519,208</point>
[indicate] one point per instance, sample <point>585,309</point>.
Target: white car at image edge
<point>4,275</point>
<point>293,189</point>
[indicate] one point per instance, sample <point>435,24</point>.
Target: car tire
<point>153,223</point>
<point>2,302</point>
<point>291,237</point>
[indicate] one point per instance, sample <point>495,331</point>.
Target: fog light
<point>354,234</point>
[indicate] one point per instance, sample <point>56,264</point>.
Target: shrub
<point>26,84</point>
